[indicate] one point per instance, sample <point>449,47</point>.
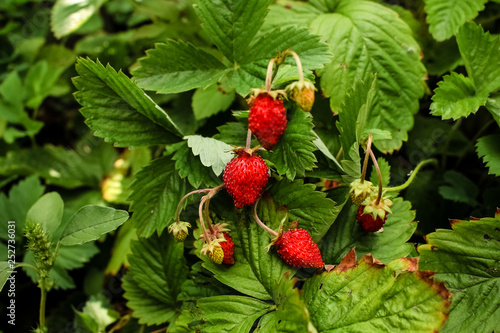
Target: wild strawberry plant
<point>270,156</point>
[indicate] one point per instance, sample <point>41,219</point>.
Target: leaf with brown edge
<point>367,296</point>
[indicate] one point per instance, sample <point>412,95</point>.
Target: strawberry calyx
<point>274,94</point>
<point>377,208</point>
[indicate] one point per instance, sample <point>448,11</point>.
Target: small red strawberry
<point>296,248</point>
<point>367,222</point>
<point>267,119</point>
<point>372,214</point>
<point>245,176</point>
<point>227,246</point>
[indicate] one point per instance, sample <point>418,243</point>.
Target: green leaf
<point>190,166</point>
<point>6,270</point>
<point>68,16</point>
<point>174,67</point>
<point>460,188</point>
<point>493,105</point>
<point>121,248</point>
<point>311,208</point>
<point>370,297</point>
<point>293,155</point>
<point>481,54</point>
<point>223,314</point>
<point>119,111</point>
<point>47,212</point>
<point>368,37</point>
<point>213,153</point>
<point>466,259</point>
<point>59,166</point>
<point>385,246</point>
<point>96,315</point>
<point>212,99</point>
<point>488,148</point>
<point>385,170</point>
<point>456,97</point>
<point>157,270</point>
<point>445,17</point>
<point>156,192</point>
<point>90,223</point>
<point>14,208</point>
<point>232,24</point>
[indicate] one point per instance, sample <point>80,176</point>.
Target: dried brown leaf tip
<point>453,221</point>
<point>411,263</point>
<point>347,263</point>
<point>439,287</point>
<point>497,213</point>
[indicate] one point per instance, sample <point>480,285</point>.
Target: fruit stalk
<point>269,75</point>
<point>412,176</point>
<point>299,64</point>
<point>365,162</point>
<point>178,211</point>
<point>260,223</point>
<point>379,174</point>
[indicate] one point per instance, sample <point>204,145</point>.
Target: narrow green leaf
<point>68,16</point>
<point>156,192</point>
<point>311,208</point>
<point>90,223</point>
<point>150,287</point>
<point>119,111</point>
<point>369,297</point>
<point>481,54</point>
<point>456,97</point>
<point>14,208</point>
<point>445,17</point>
<point>212,99</point>
<point>232,24</point>
<point>488,148</point>
<point>174,67</point>
<point>213,153</point>
<point>367,37</point>
<point>293,155</point>
<point>466,260</point>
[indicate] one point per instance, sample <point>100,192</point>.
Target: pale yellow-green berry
<point>303,94</point>
<point>179,230</point>
<point>360,191</point>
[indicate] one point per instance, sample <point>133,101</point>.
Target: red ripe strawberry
<point>267,119</point>
<point>296,248</point>
<point>228,247</point>
<point>245,176</point>
<point>367,222</point>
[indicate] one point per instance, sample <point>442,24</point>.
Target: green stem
<point>43,301</point>
<point>367,157</point>
<point>260,223</point>
<point>412,176</point>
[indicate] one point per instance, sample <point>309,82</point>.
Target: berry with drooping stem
<point>267,119</point>
<point>301,91</point>
<point>179,230</point>
<point>295,246</point>
<point>372,213</point>
<point>245,176</point>
<point>360,191</point>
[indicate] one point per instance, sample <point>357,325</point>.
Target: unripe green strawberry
<point>296,248</point>
<point>216,255</point>
<point>245,176</point>
<point>303,94</point>
<point>267,119</point>
<point>179,230</point>
<point>360,191</point>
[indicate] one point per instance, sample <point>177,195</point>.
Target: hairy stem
<point>412,176</point>
<point>299,64</point>
<point>200,213</point>
<point>269,74</point>
<point>249,139</point>
<point>367,157</point>
<point>178,211</point>
<point>260,223</point>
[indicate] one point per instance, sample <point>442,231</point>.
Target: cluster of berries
<point>246,176</point>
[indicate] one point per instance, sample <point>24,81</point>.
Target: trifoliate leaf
<point>212,99</point>
<point>174,67</point>
<point>293,155</point>
<point>213,153</point>
<point>118,110</point>
<point>456,97</point>
<point>445,17</point>
<point>385,246</point>
<point>481,54</point>
<point>369,297</point>
<point>156,192</point>
<point>232,24</point>
<point>91,222</point>
<point>14,208</point>
<point>311,208</point>
<point>151,287</point>
<point>466,260</point>
<point>487,147</point>
<point>68,16</point>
